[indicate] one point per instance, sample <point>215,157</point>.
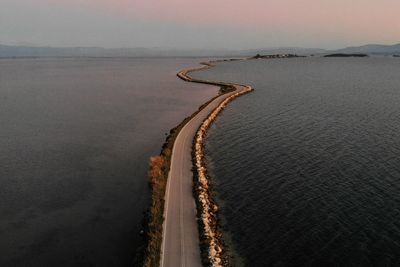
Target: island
<point>258,56</point>
<point>346,55</point>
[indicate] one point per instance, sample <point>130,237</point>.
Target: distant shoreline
<point>31,51</point>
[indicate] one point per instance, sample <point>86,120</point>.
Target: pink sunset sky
<point>235,24</point>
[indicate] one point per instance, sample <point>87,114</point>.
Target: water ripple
<point>307,168</point>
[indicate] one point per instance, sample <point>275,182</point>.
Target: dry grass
<point>158,180</point>
<point>158,176</point>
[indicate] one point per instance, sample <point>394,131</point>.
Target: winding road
<point>180,246</point>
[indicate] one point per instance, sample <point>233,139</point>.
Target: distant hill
<point>7,51</point>
<point>32,51</point>
<point>282,50</point>
<point>372,49</point>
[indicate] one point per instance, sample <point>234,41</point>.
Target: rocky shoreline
<point>149,253</point>
<point>211,244</point>
<point>208,208</point>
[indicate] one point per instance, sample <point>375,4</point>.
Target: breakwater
<point>211,243</point>
<point>206,205</point>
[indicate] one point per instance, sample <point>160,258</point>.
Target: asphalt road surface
<point>180,245</point>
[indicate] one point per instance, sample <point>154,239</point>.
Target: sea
<point>76,135</point>
<point>306,169</point>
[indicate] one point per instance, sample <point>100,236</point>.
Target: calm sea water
<point>75,138</point>
<point>307,168</point>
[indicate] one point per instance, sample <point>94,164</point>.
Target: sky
<point>200,24</point>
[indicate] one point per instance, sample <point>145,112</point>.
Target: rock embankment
<point>208,209</point>
<point>213,252</point>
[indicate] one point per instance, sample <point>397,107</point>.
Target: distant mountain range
<point>32,51</point>
<point>372,49</point>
